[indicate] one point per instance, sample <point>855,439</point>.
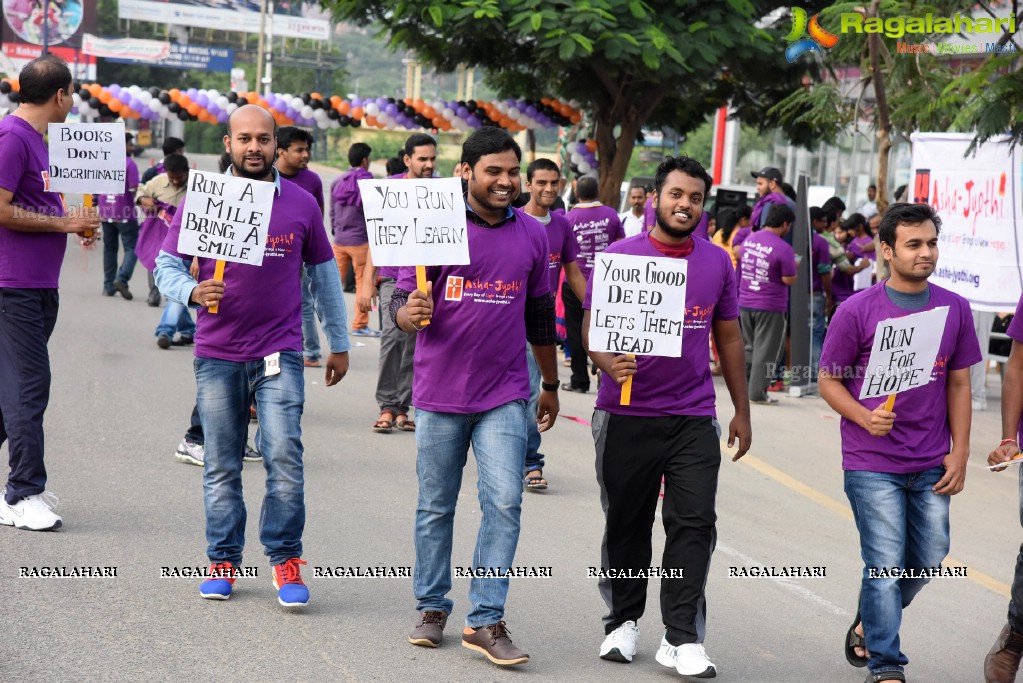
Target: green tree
<point>628,63</point>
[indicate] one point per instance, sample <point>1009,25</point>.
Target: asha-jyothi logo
<point>818,37</point>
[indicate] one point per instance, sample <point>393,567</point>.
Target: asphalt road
<point>120,405</point>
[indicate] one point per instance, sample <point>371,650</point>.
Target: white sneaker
<point>688,659</point>
<point>34,513</point>
<point>192,453</point>
<point>620,644</point>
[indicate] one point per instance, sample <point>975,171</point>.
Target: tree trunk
<point>884,124</point>
<point>615,154</point>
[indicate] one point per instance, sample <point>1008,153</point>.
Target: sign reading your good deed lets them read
<point>225,217</point>
<point>903,354</point>
<point>415,222</point>
<point>638,304</point>
<point>86,158</point>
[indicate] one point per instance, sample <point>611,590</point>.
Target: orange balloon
<point>105,97</point>
<point>335,101</point>
<point>316,95</point>
<point>262,103</point>
<point>575,118</point>
<point>408,101</point>
<point>174,94</point>
<point>344,108</point>
<point>185,101</point>
<point>371,121</point>
<point>15,84</point>
<point>437,121</point>
<point>358,112</point>
<point>194,109</point>
<point>591,145</point>
<point>429,112</point>
<point>114,105</point>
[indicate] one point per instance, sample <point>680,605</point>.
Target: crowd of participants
<point>901,466</point>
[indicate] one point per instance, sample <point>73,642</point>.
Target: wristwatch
<point>550,387</point>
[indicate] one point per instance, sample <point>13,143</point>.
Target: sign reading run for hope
<point>638,304</point>
<point>903,354</point>
<point>86,158</point>
<point>415,222</point>
<point>225,217</point>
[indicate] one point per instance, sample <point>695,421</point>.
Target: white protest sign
<point>225,217</point>
<point>903,354</point>
<point>638,304</point>
<point>87,158</point>
<point>864,278</point>
<point>415,222</point>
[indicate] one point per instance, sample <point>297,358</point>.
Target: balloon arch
<point>312,110</point>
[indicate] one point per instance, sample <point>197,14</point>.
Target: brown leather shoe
<point>429,631</point>
<point>1002,661</point>
<point>493,641</point>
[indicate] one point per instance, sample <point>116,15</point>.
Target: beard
<point>238,162</point>
<point>677,233</point>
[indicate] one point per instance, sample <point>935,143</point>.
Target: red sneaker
<point>220,583</point>
<point>777,386</point>
<point>291,590</point>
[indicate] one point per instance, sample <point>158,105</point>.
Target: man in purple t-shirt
<point>902,466</point>
<point>821,300</point>
<point>348,225</point>
<point>595,227</point>
<point>33,238</point>
<point>471,387</point>
<point>668,431</point>
<point>117,214</point>
<point>543,178</point>
<point>766,270</point>
<point>171,147</point>
<point>252,348</point>
<point>1002,662</point>
<point>294,147</point>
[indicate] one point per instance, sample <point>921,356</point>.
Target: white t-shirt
<point>632,223</point>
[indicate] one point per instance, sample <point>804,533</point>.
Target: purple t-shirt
<point>1015,332</point>
<point>820,255</point>
<point>121,207</point>
<point>310,182</point>
<point>678,386</point>
<point>347,218</point>
<point>595,227</point>
<point>28,260</point>
<point>261,312</point>
<point>920,438</point>
<point>649,214</point>
<point>469,358</point>
<point>766,258</point>
<point>562,245</point>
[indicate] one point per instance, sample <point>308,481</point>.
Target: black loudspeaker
<point>729,199</point>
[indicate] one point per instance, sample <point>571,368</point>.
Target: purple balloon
<point>222,117</point>
<point>213,108</point>
<point>192,93</point>
<point>203,101</point>
<point>136,104</point>
<point>291,113</point>
<point>357,102</point>
<point>462,113</point>
<point>114,89</point>
<point>382,102</point>
<point>473,121</point>
<point>531,111</point>
<point>280,105</point>
<point>391,109</point>
<point>124,96</point>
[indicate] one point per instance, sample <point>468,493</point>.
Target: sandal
<point>537,483</point>
<point>384,425</point>
<point>404,424</point>
<point>854,640</point>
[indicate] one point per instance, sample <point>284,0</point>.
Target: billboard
<point>58,24</point>
<point>291,18</point>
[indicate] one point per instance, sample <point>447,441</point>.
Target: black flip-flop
<point>885,676</point>
<point>854,640</point>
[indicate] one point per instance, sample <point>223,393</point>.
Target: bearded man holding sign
<point>903,464</point>
<point>253,344</point>
<point>669,428</point>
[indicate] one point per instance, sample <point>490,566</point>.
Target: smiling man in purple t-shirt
<point>471,387</point>
<point>252,348</point>
<point>33,238</point>
<point>901,467</point>
<point>668,430</point>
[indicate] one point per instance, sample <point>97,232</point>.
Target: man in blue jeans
<point>902,465</point>
<point>252,347</point>
<point>471,387</point>
<point>120,223</point>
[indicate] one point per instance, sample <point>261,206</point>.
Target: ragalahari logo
<point>819,38</point>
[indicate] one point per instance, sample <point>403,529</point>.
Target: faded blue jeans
<point>534,458</point>
<point>499,444</point>
<point>224,388</point>
<point>903,524</point>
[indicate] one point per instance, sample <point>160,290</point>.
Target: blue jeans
<point>128,232</point>
<point>902,524</point>
<point>310,333</point>
<point>175,318</point>
<point>534,458</point>
<point>817,330</point>
<point>224,388</point>
<point>499,444</point>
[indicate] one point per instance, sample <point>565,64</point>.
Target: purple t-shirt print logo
<point>819,38</point>
<point>453,291</point>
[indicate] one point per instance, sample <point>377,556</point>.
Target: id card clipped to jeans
<point>272,364</point>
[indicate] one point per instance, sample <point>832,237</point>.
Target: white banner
<point>125,48</point>
<point>225,217</point>
<point>86,158</point>
<point>981,221</point>
<point>415,222</point>
<point>207,14</point>
<point>903,354</point>
<point>638,304</point>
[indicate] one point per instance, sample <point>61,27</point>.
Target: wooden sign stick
<point>627,387</point>
<point>88,205</point>
<point>421,286</point>
<point>890,403</point>
<point>218,274</point>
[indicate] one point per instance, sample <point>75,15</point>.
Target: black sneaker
<point>122,289</point>
<point>183,341</point>
<point>163,341</point>
<point>154,298</point>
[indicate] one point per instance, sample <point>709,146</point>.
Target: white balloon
<point>76,99</point>
<point>145,97</point>
<point>222,102</point>
<point>155,104</point>
<point>231,106</point>
<point>320,115</point>
<point>584,167</point>
<point>307,112</point>
<point>373,109</point>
